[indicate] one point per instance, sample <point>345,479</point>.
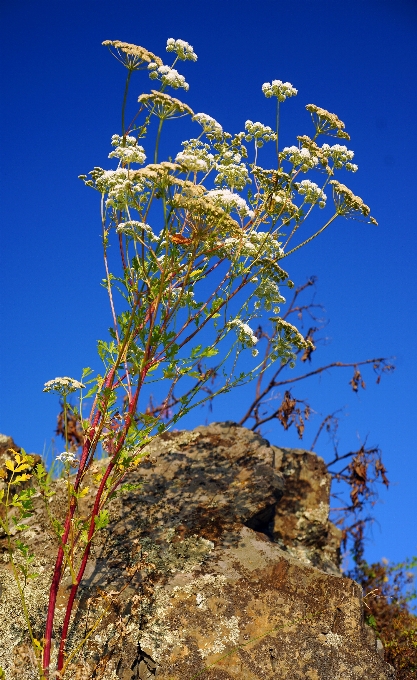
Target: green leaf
<point>125,488</point>
<point>195,351</point>
<point>209,352</point>
<point>40,471</point>
<point>91,391</point>
<point>22,547</point>
<point>101,520</point>
<point>58,528</point>
<point>371,621</point>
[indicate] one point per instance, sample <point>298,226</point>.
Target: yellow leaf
<point>1,494</point>
<point>18,459</point>
<point>196,272</point>
<point>22,466</point>
<point>9,465</point>
<point>84,492</point>
<point>154,367</point>
<point>22,478</point>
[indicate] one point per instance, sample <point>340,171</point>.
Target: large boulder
<point>219,563</point>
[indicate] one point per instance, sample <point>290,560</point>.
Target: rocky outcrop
<point>219,563</point>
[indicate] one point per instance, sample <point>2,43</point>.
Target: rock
<point>221,566</point>
<point>301,520</point>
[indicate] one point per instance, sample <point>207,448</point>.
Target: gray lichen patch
<point>334,640</point>
<point>185,555</point>
<point>13,630</point>
<point>161,636</point>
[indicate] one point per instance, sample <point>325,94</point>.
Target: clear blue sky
<point>61,95</point>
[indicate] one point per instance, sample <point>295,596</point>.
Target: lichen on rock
<point>222,563</point>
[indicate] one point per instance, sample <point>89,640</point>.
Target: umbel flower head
<point>68,457</point>
<point>211,128</point>
<point>325,122</point>
<point>279,90</point>
<point>131,56</point>
<point>167,75</point>
<point>127,149</point>
<point>349,205</point>
<point>182,49</point>
<point>311,192</point>
<point>63,385</point>
<point>164,106</point>
<point>297,156</point>
<point>259,132</point>
<point>245,333</point>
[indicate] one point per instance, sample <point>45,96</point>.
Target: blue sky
<point>61,95</point>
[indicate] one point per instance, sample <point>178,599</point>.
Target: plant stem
<point>129,74</point>
<point>90,444</point>
<point>92,529</point>
<point>66,422</point>
<point>277,124</point>
<point>311,237</point>
<point>158,136</point>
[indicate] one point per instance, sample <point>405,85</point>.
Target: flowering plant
<point>201,239</point>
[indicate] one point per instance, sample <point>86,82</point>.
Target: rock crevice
<point>223,565</point>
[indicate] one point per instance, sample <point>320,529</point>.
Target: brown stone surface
<point>301,520</point>
<point>216,561</point>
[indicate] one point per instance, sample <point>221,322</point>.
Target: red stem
<point>53,592</point>
<point>74,589</point>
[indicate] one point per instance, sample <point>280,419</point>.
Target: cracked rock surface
<point>223,565</point>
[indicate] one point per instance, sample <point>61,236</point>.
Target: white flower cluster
<point>187,297</point>
<point>261,133</point>
<point>244,333</point>
<point>68,457</point>
<point>251,245</point>
<point>301,157</point>
<point>279,90</point>
<point>134,228</point>
<point>118,186</point>
<point>167,76</point>
<point>280,197</point>
<point>269,295</point>
<point>63,385</point>
<point>182,49</point>
<point>312,193</point>
<point>340,155</point>
<point>211,127</point>
<point>129,152</point>
<point>196,156</point>
<point>232,246</point>
<point>232,172</point>
<point>229,200</point>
